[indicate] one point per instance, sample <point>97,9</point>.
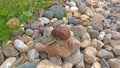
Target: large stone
<point>58,11</point>
<point>33,55</point>
<point>85,41</point>
<point>74,58</point>
<point>97,26</point>
<point>56,60</point>
<point>48,14</point>
<point>28,65</point>
<point>47,64</point>
<point>102,53</point>
<point>20,45</point>
<point>90,55</point>
<point>1,56</point>
<point>98,17</point>
<point>114,63</point>
<point>93,33</point>
<point>104,63</point>
<point>79,30</point>
<point>9,50</point>
<point>81,63</point>
<point>8,62</point>
<point>116,50</point>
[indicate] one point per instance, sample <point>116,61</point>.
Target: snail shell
<point>61,32</point>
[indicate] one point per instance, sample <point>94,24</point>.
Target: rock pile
<point>69,34</point>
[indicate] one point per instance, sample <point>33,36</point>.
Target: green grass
<point>21,9</point>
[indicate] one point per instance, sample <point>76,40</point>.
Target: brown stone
<point>114,63</point>
<point>69,14</point>
<point>13,22</point>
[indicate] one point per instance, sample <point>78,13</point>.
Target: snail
<point>61,32</point>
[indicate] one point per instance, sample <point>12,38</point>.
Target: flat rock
<point>74,58</point>
<point>114,63</point>
<point>102,53</point>
<point>47,64</point>
<point>81,6</point>
<point>78,30</point>
<point>9,50</point>
<point>35,34</point>
<point>56,60</point>
<point>29,32</point>
<point>97,26</point>
<point>67,65</point>
<point>8,62</point>
<point>90,55</point>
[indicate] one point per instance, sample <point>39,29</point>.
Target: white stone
<point>96,65</point>
<point>101,35</point>
<point>20,45</point>
<point>43,21</point>
<point>73,9</point>
<point>67,8</point>
<point>67,65</point>
<point>8,62</point>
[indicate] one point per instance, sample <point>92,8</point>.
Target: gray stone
<point>56,60</point>
<point>47,64</point>
<point>116,50</point>
<point>102,53</point>
<point>81,6</point>
<point>97,26</point>
<point>29,32</point>
<point>81,63</point>
<point>48,14</point>
<point>115,35</point>
<point>20,45</point>
<point>58,11</point>
<point>90,55</point>
<point>29,65</point>
<point>27,26</point>
<point>8,62</point>
<point>104,63</point>
<point>88,2</point>
<point>43,55</point>
<point>9,50</point>
<point>43,21</point>
<point>78,30</point>
<point>107,23</point>
<point>75,58</point>
<point>1,56</point>
<point>33,55</point>
<point>113,26</point>
<point>107,38</point>
<point>71,20</point>
<point>93,33</point>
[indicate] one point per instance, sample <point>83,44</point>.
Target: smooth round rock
<point>48,14</point>
<point>20,45</point>
<point>93,33</point>
<point>104,63</point>
<point>29,32</point>
<point>56,60</point>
